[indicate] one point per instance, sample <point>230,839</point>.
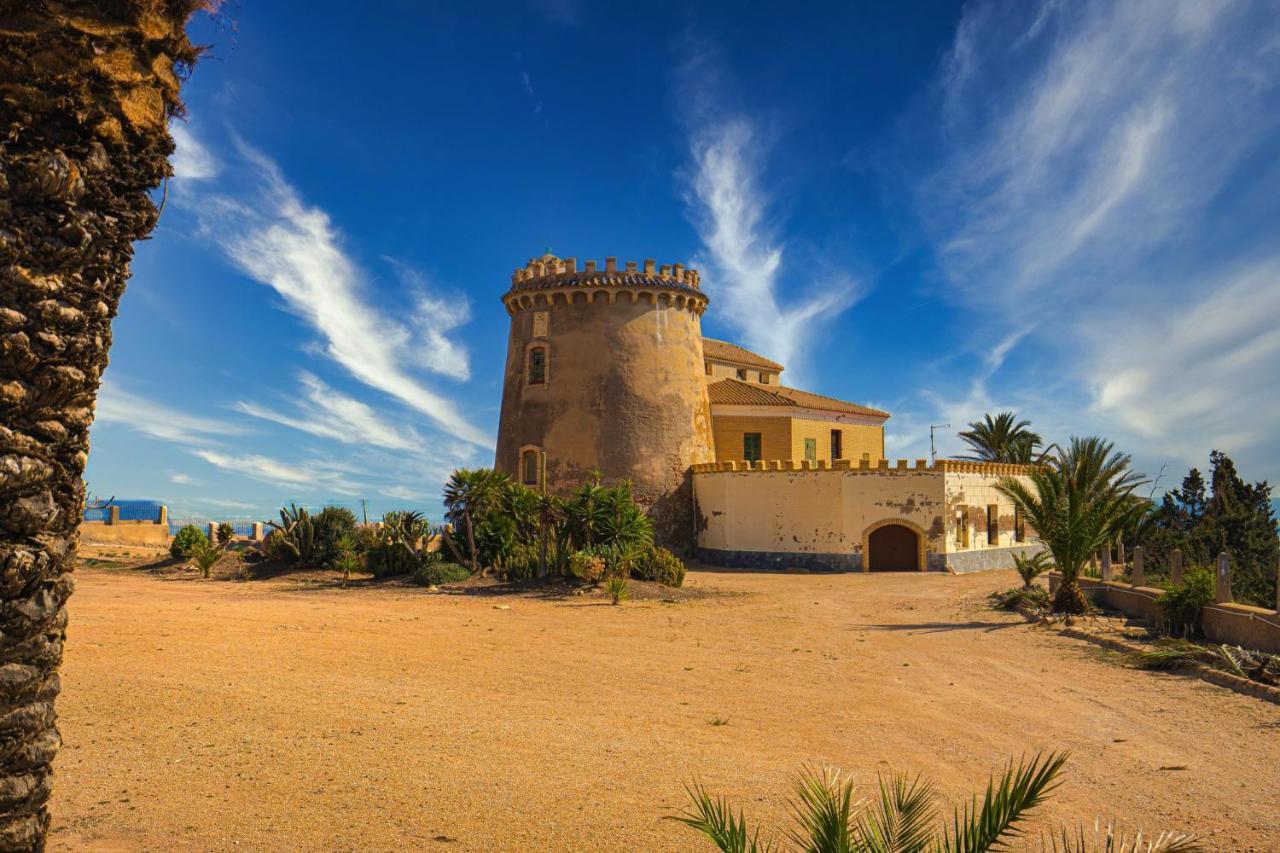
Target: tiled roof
<point>725,351</point>
<point>733,392</point>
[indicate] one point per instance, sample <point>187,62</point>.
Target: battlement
<point>549,270</point>
<point>899,466</point>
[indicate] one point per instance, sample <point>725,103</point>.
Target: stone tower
<point>605,372</point>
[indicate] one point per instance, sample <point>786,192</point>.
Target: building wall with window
<point>858,441</point>
<point>785,438</point>
<point>823,516</point>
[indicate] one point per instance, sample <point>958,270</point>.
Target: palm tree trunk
<point>87,90</point>
<point>471,542</point>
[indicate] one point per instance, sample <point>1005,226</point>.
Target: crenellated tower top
<point>550,271</point>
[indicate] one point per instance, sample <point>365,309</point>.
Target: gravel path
<point>212,715</point>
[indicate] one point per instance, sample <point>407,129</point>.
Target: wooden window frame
<point>759,443</point>
<point>529,364</point>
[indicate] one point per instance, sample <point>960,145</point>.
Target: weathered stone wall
<point>788,514</point>
<point>125,533</point>
<point>625,394</point>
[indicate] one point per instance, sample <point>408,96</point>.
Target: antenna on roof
<point>933,452</point>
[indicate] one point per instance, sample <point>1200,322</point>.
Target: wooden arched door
<point>894,548</point>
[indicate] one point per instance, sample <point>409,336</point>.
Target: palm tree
<point>1003,438</point>
<point>901,817</point>
<point>1078,502</point>
<point>469,496</point>
<point>1031,567</point>
<point>88,89</point>
<point>550,514</point>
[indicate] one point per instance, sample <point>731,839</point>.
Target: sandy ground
<point>216,715</point>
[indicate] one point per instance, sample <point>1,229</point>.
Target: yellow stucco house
<point>607,370</point>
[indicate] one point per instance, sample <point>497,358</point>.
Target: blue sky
<point>939,209</point>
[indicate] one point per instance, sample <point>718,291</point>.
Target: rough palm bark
<point>86,89</point>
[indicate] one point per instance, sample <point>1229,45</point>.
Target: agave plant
<point>1078,502</point>
<point>902,817</point>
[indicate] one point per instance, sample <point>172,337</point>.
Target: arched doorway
<point>893,548</point>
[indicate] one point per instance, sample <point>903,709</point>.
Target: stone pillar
<point>1175,567</point>
<point>1137,575</point>
<point>163,516</point>
<point>1120,554</point>
<point>113,514</point>
<point>255,531</point>
<point>1224,579</point>
<point>213,531</point>
<point>1106,563</point>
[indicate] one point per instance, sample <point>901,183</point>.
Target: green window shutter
<point>811,449</point>
<point>751,446</point>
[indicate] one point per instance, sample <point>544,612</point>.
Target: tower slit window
<point>529,468</point>
<point>538,366</point>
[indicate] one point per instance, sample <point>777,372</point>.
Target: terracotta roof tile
<point>725,351</point>
<point>734,392</point>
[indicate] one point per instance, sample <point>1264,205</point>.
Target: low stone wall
<point>982,559</point>
<point>1232,623</point>
<point>149,533</point>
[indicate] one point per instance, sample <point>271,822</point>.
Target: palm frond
<point>899,819</point>
<point>976,829</point>
<point>826,812</point>
<point>714,818</point>
<point>1108,838</point>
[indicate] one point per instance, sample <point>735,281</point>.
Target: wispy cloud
<point>190,158</point>
<point>118,406</point>
<point>318,475</point>
<point>326,413</point>
<point>274,237</point>
<point>1099,170</point>
<point>742,261</point>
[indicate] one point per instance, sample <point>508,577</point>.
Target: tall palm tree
<point>1078,502</point>
<point>1003,438</point>
<point>88,90</point>
<point>469,496</point>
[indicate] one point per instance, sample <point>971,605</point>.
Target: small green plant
<point>204,555</point>
<point>1030,568</point>
<point>618,588</point>
<point>225,534</point>
<point>719,721</point>
<point>662,566</point>
<point>1181,605</point>
<point>184,539</point>
<point>437,572</point>
<point>347,560</point>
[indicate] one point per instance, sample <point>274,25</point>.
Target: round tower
<point>605,373</point>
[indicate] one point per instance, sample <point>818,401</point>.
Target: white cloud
<point>316,475</point>
<point>1107,170</point>
<point>190,159</point>
<point>184,479</point>
<point>278,240</point>
<point>326,413</point>
<point>115,405</point>
<point>741,261</point>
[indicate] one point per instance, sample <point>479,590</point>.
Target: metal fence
<point>130,510</point>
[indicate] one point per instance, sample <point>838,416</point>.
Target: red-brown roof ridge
<point>725,351</point>
<point>735,392</point>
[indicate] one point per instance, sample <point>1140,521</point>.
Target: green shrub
<point>204,555</point>
<point>275,546</point>
<point>226,533</point>
<point>660,565</point>
<point>587,566</point>
<point>332,525</point>
<point>1181,604</point>
<point>396,549</point>
<point>437,572</point>
<point>184,539</point>
<point>522,562</point>
<point>495,539</point>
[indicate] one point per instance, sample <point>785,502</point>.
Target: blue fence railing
<point>130,510</point>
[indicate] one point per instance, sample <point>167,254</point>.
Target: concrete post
<point>163,516</point>
<point>1224,579</point>
<point>1137,575</point>
<point>255,531</point>
<point>1106,563</point>
<point>1120,554</point>
<point>1175,567</point>
<point>213,531</point>
<point>113,514</point>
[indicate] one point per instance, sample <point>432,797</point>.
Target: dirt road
<point>220,715</point>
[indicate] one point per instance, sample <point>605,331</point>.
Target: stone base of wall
<point>125,533</point>
<point>983,559</point>
<point>780,561</point>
